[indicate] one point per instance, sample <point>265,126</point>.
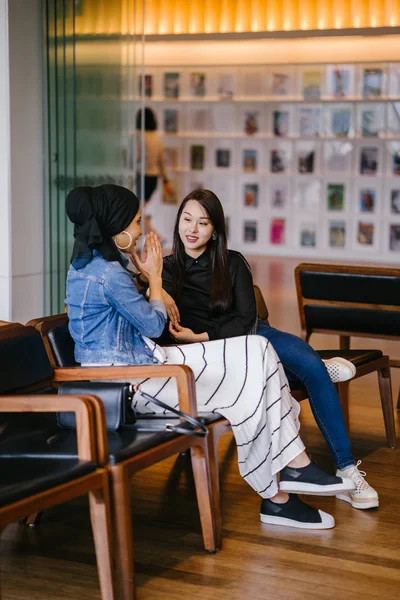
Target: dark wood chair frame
<point>90,420</point>
<point>203,453</point>
<point>381,365</point>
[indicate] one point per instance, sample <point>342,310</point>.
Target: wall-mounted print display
<point>277,231</point>
<point>309,121</point>
<point>252,82</point>
<point>222,158</point>
<point>367,200</point>
<point>197,155</point>
<point>225,86</point>
<point>305,161</point>
<point>251,122</point>
<point>306,196</point>
<point>396,162</point>
<point>249,161</point>
<point>368,161</point>
<point>340,122</point>
<point>365,233</point>
<point>147,89</point>
<point>340,81</point>
<point>281,123</point>
<point>337,157</point>
<point>308,233</point>
<point>312,84</point>
<point>393,119</point>
<point>371,119</point>
<point>395,202</point>
<point>394,80</point>
<point>170,192</point>
<point>171,85</point>
<point>171,120</point>
<point>223,119</point>
<point>171,157</point>
<point>372,82</point>
<point>337,234</point>
<point>250,231</point>
<point>197,85</point>
<point>199,118</point>
<point>280,81</point>
<point>250,194</point>
<point>394,237</point>
<point>279,194</point>
<point>335,196</point>
<point>279,160</point>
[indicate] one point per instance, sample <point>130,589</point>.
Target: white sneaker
<point>339,369</point>
<point>364,496</point>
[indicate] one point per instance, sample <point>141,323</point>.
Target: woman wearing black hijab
<point>239,378</point>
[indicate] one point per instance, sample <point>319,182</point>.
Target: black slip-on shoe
<point>312,480</point>
<point>295,513</point>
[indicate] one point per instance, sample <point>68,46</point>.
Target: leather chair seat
<point>357,357</point>
<point>21,477</point>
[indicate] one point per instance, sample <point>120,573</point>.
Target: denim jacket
<point>108,317</point>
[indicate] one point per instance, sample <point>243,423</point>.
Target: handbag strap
<point>200,429</point>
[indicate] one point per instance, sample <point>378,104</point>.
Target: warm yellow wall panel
<point>273,15</point>
<point>258,20</point>
<point>243,15</point>
<point>342,13</point>
<point>308,14</point>
<point>392,13</point>
<point>290,14</point>
<point>325,14</point>
<point>228,16</point>
<point>359,13</point>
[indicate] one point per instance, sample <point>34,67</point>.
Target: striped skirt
<point>243,380</point>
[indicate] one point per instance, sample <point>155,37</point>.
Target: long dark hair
<point>150,121</point>
<point>220,281</point>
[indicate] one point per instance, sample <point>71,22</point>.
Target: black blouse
<point>193,301</point>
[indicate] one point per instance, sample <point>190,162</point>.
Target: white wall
<point>21,162</point>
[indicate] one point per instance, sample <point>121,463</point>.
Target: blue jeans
<point>303,364</point>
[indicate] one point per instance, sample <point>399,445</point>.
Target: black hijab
<point>99,213</point>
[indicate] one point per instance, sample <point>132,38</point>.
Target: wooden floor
<point>359,559</point>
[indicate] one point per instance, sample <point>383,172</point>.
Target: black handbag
<point>117,399</point>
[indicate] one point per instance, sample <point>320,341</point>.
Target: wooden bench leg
<point>202,480</point>
<point>212,439</point>
<point>342,389</point>
<point>122,519</point>
<point>385,389</point>
<point>100,516</point>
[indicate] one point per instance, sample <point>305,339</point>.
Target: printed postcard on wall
<point>277,231</point>
<point>251,122</point>
<point>394,80</point>
<point>393,118</point>
<point>371,121</point>
<point>199,119</point>
<point>279,194</point>
<point>309,122</point>
<point>365,233</point>
<point>171,120</point>
<point>171,85</point>
<point>312,83</point>
<point>223,158</point>
<point>170,192</point>
<point>305,161</point>
<point>147,89</point>
<point>369,161</point>
<point>280,123</point>
<point>250,231</point>
<point>394,237</point>
<point>197,156</point>
<point>279,162</point>
<point>335,196</point>
<point>337,234</point>
<point>308,235</point>
<point>249,160</point>
<point>226,86</point>
<point>340,122</point>
<point>396,162</point>
<point>367,200</point>
<point>395,201</point>
<point>197,85</point>
<point>372,83</point>
<point>281,83</point>
<point>250,194</point>
<point>340,82</point>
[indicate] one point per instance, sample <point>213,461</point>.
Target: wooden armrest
<point>182,373</point>
<point>84,407</point>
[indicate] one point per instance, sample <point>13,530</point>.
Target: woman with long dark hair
<point>210,296</point>
<point>240,378</point>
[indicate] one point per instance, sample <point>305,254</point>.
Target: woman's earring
<point>214,236</point>
<point>128,245</point>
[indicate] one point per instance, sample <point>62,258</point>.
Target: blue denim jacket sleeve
<point>121,293</point>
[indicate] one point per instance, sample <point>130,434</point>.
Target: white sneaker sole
<point>327,522</point>
<point>359,505</point>
<point>346,363</point>
<point>311,489</point>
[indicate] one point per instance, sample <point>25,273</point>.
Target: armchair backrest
<point>57,339</point>
<point>348,300</point>
<point>262,310</point>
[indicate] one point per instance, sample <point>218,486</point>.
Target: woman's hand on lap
<point>185,335</point>
<point>172,309</point>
